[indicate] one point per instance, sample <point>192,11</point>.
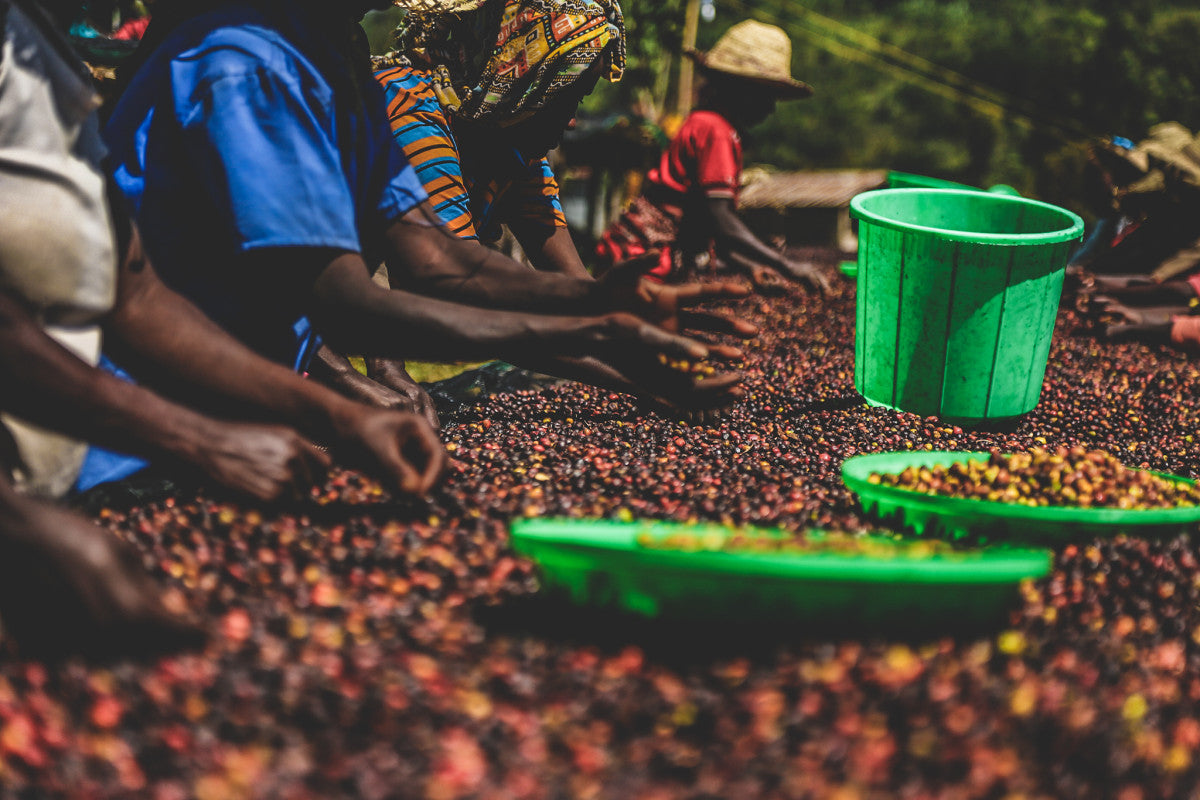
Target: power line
<point>855,45</point>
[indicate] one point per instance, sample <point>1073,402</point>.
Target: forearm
<point>732,235</point>
<point>427,259</point>
<point>551,250</point>
<point>48,385</point>
<point>156,333</point>
<point>355,315</point>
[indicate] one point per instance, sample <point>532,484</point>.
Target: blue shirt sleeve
<point>265,147</point>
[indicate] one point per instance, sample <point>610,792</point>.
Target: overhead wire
<point>852,44</point>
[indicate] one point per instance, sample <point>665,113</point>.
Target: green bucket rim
<point>1074,231</point>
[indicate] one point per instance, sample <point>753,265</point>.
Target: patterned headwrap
<point>508,59</point>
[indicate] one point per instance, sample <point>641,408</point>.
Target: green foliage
<point>654,37</point>
<point>1045,77</point>
<point>380,27</point>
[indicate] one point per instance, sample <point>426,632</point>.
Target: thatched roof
<point>825,189</point>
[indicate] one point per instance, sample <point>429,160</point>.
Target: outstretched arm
<point>551,249</point>
<point>428,259</point>
<point>48,385</point>
<point>738,244</point>
<point>156,332</point>
<point>357,315</point>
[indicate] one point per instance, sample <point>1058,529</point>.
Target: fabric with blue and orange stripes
<point>472,202</point>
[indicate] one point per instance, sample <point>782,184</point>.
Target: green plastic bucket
<point>957,296</point>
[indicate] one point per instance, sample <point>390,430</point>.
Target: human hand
<point>1121,322</point>
<point>68,586</point>
<point>702,399</point>
<point>399,447</point>
<point>771,281</point>
<point>673,308</point>
<point>267,462</point>
<point>665,367</point>
<point>806,273</point>
<point>407,393</point>
<point>767,280</point>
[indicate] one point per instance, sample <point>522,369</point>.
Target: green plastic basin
<point>957,517</point>
<point>957,297</point>
<point>601,563</point>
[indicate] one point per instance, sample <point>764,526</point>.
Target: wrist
<point>379,365</point>
<point>342,418</point>
<point>187,437</point>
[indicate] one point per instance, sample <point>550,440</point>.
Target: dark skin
<point>1148,323</point>
<point>357,315</point>
<point>622,321</point>
<point>387,384</point>
<point>435,263</point>
<point>746,104</point>
<point>154,331</point>
<point>1141,308</point>
<point>51,387</point>
<point>1140,290</point>
<point>68,586</point>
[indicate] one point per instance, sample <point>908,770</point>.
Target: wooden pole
<point>691,24</point>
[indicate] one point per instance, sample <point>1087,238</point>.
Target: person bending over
<point>477,94</point>
<point>254,146</point>
<point>688,208</point>
<point>71,270</point>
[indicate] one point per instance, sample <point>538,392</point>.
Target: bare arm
<point>387,383</point>
<point>156,332</point>
<point>357,315</point>
<point>427,259</point>
<point>738,244</point>
<point>50,386</point>
<point>67,586</point>
<point>551,250</point>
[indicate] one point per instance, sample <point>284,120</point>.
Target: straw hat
<point>756,52</point>
<point>1172,148</point>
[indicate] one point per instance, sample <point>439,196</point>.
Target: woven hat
<point>756,52</point>
<point>1172,148</point>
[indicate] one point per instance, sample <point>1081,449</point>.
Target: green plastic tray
<point>600,563</point>
<point>955,517</point>
<point>849,268</point>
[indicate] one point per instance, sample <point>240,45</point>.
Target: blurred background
<point>980,92</point>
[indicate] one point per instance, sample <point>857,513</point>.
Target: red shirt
<point>133,29</point>
<point>704,158</point>
<point>703,161</point>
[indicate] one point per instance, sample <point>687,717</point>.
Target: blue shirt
<point>245,130</point>
<point>249,129</point>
